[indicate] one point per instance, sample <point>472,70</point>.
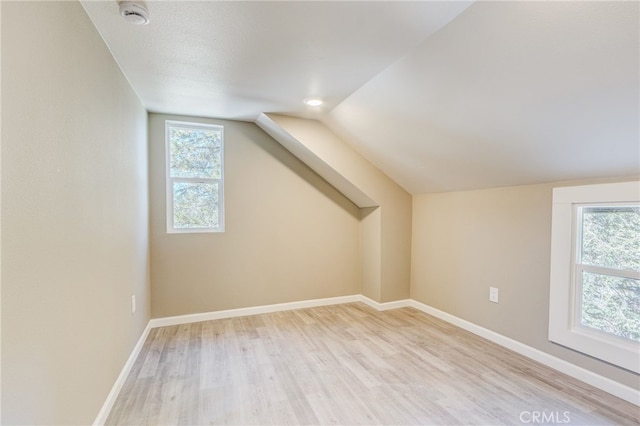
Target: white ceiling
<point>237,59</point>
<point>441,96</point>
<point>509,93</point>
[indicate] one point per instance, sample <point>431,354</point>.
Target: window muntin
<point>195,177</point>
<point>593,302</point>
<point>607,269</point>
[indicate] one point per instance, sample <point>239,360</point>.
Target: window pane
<point>611,304</point>
<point>195,205</point>
<point>611,237</point>
<point>195,153</point>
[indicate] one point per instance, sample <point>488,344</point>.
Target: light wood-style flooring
<point>348,365</point>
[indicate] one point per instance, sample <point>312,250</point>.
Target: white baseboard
<point>254,310</point>
<point>617,389</point>
<point>385,306</point>
<point>101,418</point>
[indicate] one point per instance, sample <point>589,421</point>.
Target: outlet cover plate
<point>493,294</point>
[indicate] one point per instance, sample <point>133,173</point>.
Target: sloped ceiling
<point>238,59</point>
<point>441,96</point>
<point>509,93</point>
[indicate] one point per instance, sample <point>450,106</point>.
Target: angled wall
<point>385,230</point>
<point>289,235</point>
<point>74,216</point>
<point>465,242</point>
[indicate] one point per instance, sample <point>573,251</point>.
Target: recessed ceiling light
<point>313,101</point>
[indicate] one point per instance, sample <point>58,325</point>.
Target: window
<point>607,269</point>
<point>195,177</point>
<point>594,304</point>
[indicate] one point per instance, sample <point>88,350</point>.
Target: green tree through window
<point>609,254</point>
<point>195,177</point>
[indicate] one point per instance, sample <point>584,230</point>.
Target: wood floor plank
<point>347,364</point>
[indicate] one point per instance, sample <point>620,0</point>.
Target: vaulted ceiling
<point>441,96</point>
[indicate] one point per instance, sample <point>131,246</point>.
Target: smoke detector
<point>134,12</point>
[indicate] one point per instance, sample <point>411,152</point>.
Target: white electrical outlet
<point>133,304</point>
<point>493,294</point>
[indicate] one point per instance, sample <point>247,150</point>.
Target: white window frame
<point>564,324</point>
<point>170,180</point>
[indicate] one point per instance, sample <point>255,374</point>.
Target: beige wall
<point>289,235</point>
<point>75,228</point>
<point>386,265</point>
<point>465,242</point>
<point>74,216</point>
<point>370,252</point>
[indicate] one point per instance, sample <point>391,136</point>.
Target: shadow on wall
<point>283,156</point>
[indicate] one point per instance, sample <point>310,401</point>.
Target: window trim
<point>562,292</point>
<point>170,181</point>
